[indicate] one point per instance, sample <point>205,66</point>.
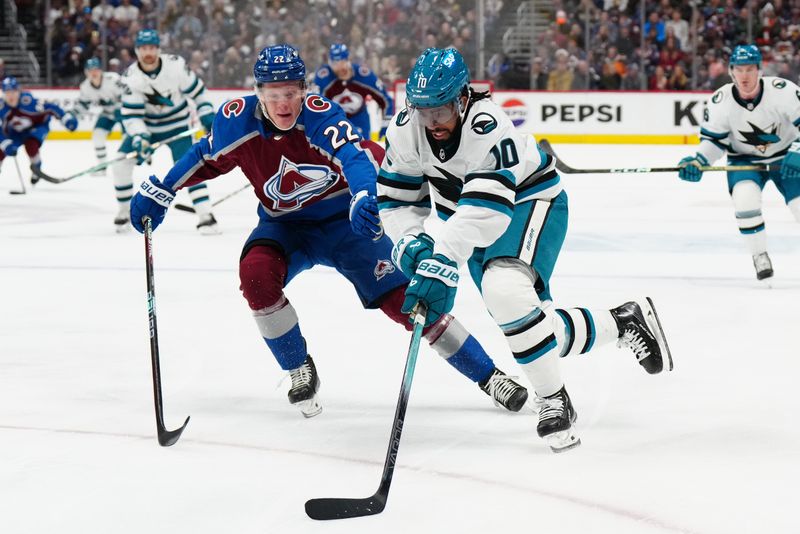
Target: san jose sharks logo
<point>759,138</point>
<point>296,183</point>
<point>157,99</point>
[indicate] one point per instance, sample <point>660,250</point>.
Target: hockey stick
<point>563,167</point>
<point>21,179</point>
<point>342,508</point>
<point>165,437</point>
<point>183,207</point>
<point>122,157</point>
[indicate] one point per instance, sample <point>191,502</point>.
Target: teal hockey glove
<point>410,250</point>
<point>790,168</point>
<point>690,167</point>
<point>434,283</point>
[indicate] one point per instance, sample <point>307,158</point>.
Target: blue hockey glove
<point>141,145</point>
<point>207,120</point>
<point>434,283</point>
<point>790,168</point>
<point>152,199</point>
<point>364,219</point>
<point>9,147</point>
<point>410,250</point>
<point>690,167</point>
<point>70,122</point>
<point>384,127</point>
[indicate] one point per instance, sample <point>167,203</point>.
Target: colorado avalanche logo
<point>317,104</point>
<point>233,108</point>
<point>295,184</point>
<point>351,102</point>
<point>382,268</point>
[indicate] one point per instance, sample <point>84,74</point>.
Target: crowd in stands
<point>598,45</point>
<point>591,44</point>
<point>220,38</point>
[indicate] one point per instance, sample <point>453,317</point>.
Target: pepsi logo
<point>516,110</point>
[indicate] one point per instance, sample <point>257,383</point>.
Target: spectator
<point>678,80</point>
<point>655,24</point>
<point>560,79</point>
<point>581,78</point>
<point>659,80</point>
<point>610,80</point>
<point>634,79</point>
<point>538,78</point>
<point>680,28</point>
<point>126,13</point>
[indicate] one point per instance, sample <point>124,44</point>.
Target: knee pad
<point>262,274</point>
<point>508,290</point>
<point>32,147</point>
<point>99,137</point>
<point>746,196</point>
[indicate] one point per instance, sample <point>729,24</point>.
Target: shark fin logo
<point>295,184</point>
<point>483,123</point>
<point>760,139</point>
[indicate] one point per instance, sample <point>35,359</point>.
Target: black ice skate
<point>305,384</point>
<point>504,391</point>
<point>763,266</point>
<point>35,168</point>
<point>640,330</point>
<point>208,225</point>
<point>556,417</point>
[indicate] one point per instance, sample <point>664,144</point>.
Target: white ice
<point>711,448</point>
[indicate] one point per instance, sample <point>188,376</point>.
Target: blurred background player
<point>156,90</point>
<point>101,89</point>
<point>505,216</point>
<point>306,166</point>
<point>349,84</point>
<point>754,120</point>
<point>25,120</point>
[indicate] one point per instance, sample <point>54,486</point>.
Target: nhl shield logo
<point>296,183</point>
<point>382,268</point>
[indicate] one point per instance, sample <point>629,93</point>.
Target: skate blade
<point>310,408</point>
<point>652,320</point>
<point>562,441</point>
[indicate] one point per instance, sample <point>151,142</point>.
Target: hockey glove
<point>141,145</point>
<point>70,122</point>
<point>152,199</point>
<point>364,219</point>
<point>790,168</point>
<point>434,283</point>
<point>207,121</point>
<point>410,250</point>
<point>9,147</point>
<point>690,167</point>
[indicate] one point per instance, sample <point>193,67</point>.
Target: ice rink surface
<point>711,448</point>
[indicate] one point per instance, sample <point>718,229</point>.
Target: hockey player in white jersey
<point>102,89</point>
<point>505,216</point>
<point>754,120</point>
<point>156,91</point>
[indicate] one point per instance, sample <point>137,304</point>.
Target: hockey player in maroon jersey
<point>315,180</point>
<point>25,121</point>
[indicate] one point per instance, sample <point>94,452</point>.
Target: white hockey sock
<point>99,137</point>
<point>123,180</point>
<point>199,195</point>
<point>746,197</point>
<point>510,296</point>
<point>578,330</point>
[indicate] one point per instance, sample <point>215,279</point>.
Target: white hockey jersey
<point>758,131</point>
<point>157,102</point>
<point>108,96</point>
<point>474,181</point>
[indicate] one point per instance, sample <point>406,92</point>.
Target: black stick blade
<point>169,437</point>
<point>17,192</point>
<point>335,508</point>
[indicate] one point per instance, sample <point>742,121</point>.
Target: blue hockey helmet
<point>745,55</point>
<point>10,84</point>
<point>438,77</point>
<point>279,63</point>
<point>93,63</point>
<point>339,52</point>
<point>147,37</point>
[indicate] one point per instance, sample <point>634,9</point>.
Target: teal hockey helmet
<point>746,55</point>
<point>438,77</point>
<point>147,37</point>
<point>93,63</point>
